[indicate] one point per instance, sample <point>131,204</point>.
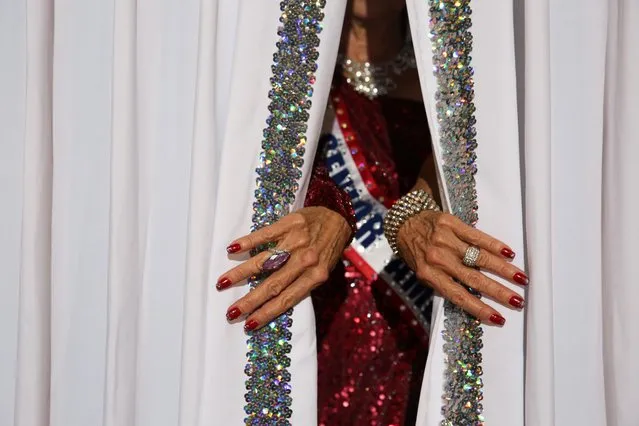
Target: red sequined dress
<point>371,358</point>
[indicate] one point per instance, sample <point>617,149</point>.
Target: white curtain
<point>129,135</point>
<point>576,93</point>
<point>123,124</point>
<point>499,197</point>
<point>577,72</point>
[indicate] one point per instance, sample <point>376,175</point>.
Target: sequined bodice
<point>370,357</point>
<point>394,137</point>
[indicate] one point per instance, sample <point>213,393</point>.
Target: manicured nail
<point>520,278</point>
<point>233,248</point>
<point>517,302</point>
<point>250,325</point>
<point>508,253</point>
<point>497,319</point>
<point>233,313</point>
<point>223,283</point>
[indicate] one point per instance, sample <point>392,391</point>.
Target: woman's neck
<point>373,41</point>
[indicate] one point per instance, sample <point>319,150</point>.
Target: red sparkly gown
<point>371,359</point>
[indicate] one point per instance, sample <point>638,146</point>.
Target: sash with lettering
<point>369,251</point>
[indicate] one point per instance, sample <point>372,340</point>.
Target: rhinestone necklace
<point>373,80</point>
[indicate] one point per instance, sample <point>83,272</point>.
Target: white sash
<point>369,251</point>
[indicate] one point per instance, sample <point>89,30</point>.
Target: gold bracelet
<point>406,207</point>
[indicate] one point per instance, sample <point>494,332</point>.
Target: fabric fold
<point>33,369</point>
<point>124,245</point>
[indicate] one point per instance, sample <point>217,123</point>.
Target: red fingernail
<point>250,325</point>
<point>520,278</point>
<point>223,283</point>
<point>517,302</point>
<point>233,248</point>
<point>497,319</point>
<point>508,253</point>
<point>233,313</point>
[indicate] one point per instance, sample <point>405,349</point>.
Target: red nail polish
<point>497,319</point>
<point>517,302</point>
<point>233,248</point>
<point>520,278</point>
<point>223,283</point>
<point>250,325</point>
<point>508,253</point>
<point>233,313</point>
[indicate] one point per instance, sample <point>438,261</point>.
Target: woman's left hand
<point>315,238</point>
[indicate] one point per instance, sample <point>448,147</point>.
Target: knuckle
<point>443,219</point>
<point>236,276</point>
<point>458,296</point>
<point>309,258</point>
<point>242,304</point>
<point>484,311</point>
<point>495,246</point>
<point>285,302</point>
<point>268,234</point>
<point>247,304</point>
<point>303,240</point>
<point>422,274</point>
<point>297,219</point>
<point>439,238</point>
<point>504,295</point>
<point>273,290</point>
<point>474,279</point>
<point>506,270</point>
<point>434,256</point>
<point>320,274</point>
<point>248,241</point>
<point>483,259</point>
<point>258,237</point>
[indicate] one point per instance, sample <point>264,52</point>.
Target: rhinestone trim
<point>268,388</point>
<point>450,22</point>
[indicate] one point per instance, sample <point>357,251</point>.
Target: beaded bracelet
<point>406,207</point>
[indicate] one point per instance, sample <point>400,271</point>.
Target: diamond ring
<point>470,256</point>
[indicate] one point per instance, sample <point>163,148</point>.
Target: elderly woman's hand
<point>313,236</point>
<point>433,244</point>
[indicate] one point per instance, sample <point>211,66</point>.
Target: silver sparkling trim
<point>452,44</point>
<point>268,388</point>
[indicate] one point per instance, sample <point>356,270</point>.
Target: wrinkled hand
<point>315,237</point>
<point>433,244</point>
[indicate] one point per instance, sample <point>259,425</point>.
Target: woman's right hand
<point>433,244</point>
